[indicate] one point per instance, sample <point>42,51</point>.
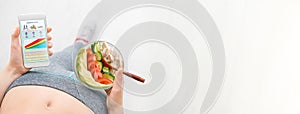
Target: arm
<point>7,76</point>
<point>15,67</point>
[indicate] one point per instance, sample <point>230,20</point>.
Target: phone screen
<point>34,41</point>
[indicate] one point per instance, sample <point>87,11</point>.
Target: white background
<point>261,39</point>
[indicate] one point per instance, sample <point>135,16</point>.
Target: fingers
<point>50,53</point>
<point>119,76</point>
<point>115,95</point>
<point>16,33</point>
<point>49,38</point>
<point>118,82</point>
<point>50,45</point>
<point>15,42</point>
<point>49,29</point>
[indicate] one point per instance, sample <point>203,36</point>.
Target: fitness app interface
<point>34,41</point>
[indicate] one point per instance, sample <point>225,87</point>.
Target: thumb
<point>15,36</point>
<point>118,83</point>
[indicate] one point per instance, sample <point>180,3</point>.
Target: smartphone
<point>33,34</point>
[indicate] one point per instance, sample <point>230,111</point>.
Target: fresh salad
<point>94,64</point>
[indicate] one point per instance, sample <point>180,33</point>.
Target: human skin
<point>58,99</point>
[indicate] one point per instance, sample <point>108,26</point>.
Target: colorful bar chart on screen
<point>38,43</point>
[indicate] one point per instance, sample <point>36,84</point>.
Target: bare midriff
<point>41,100</point>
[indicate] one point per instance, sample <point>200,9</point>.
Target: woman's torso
<point>41,100</point>
<point>34,90</point>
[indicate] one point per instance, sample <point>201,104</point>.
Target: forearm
<point>114,108</point>
<point>7,76</point>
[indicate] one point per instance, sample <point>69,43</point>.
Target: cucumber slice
<point>98,56</point>
<point>109,76</point>
<point>93,47</point>
<point>100,64</point>
<point>96,50</point>
<point>105,69</point>
<point>98,46</point>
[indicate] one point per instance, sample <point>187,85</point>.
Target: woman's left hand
<point>16,59</point>
<point>114,99</point>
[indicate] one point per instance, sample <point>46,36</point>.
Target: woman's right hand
<point>16,61</point>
